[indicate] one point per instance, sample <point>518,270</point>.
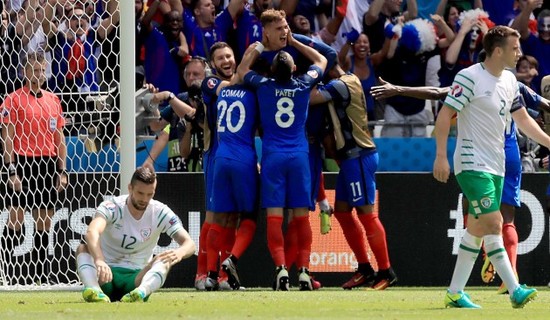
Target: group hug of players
<point>291,90</point>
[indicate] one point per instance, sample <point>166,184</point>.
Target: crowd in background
<point>81,40</point>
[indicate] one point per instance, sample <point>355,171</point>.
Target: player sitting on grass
<point>116,262</point>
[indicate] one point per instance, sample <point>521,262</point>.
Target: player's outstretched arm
<point>310,53</point>
<point>387,90</point>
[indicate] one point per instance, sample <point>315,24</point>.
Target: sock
<point>244,237</point>
<point>376,236</point>
<point>321,195</point>
<point>510,237</point>
<point>275,240</point>
<point>304,237</point>
<point>154,278</point>
<point>499,258</point>
<point>87,271</point>
<point>226,244</point>
<point>291,243</point>
<point>467,255</point>
<point>354,235</point>
<point>202,257</point>
<point>215,234</point>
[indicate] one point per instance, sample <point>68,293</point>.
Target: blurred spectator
<point>361,62</point>
<point>407,116</point>
<point>464,50</point>
<point>203,28</point>
<point>164,7</point>
<point>140,48</point>
<point>74,65</point>
<point>501,12</point>
<point>178,121</point>
<point>10,46</point>
<point>312,10</point>
<point>351,13</point>
<point>165,50</point>
<point>249,28</point>
<point>533,45</point>
<point>526,70</point>
<point>380,12</point>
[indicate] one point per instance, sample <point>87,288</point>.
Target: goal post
<point>99,132</point>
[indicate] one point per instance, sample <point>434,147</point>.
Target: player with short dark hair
<point>116,262</point>
<point>285,174</point>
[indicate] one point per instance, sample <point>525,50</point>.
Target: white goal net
<point>41,226</point>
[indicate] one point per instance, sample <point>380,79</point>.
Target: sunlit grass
<point>327,303</point>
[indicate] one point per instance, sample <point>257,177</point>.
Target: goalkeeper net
<point>80,40</point>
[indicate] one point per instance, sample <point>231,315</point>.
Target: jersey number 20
<point>227,112</point>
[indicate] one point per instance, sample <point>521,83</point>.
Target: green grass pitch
<point>327,303</point>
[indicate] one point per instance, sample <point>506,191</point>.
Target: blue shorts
<point>207,167</point>
<point>236,187</point>
<point>316,169</point>
<point>512,177</point>
<point>356,182</point>
<point>286,180</point>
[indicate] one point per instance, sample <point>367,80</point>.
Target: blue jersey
<point>300,61</point>
<point>161,69</point>
<point>237,121</point>
<point>249,30</point>
<point>283,110</point>
<point>209,96</point>
<point>201,39</point>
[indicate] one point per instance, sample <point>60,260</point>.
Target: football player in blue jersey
<point>285,174</point>
<point>222,62</point>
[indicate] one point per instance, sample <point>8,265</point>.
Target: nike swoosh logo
<point>357,199</point>
<point>361,277</point>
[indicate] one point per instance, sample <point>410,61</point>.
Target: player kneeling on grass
<point>117,263</point>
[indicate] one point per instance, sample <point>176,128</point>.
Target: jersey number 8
<point>284,107</point>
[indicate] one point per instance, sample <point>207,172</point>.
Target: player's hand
<point>104,274</point>
<point>384,90</point>
<point>290,39</point>
<point>169,257</point>
<point>545,162</point>
<point>15,183</point>
<point>62,181</point>
<point>442,169</point>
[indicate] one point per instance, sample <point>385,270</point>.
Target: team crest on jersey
<point>456,91</point>
<point>212,83</point>
<point>53,124</point>
<point>145,233</point>
<point>110,206</point>
<point>5,112</point>
<point>173,221</point>
<point>313,73</point>
<point>486,202</point>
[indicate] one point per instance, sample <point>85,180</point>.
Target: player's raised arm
<point>310,53</point>
<point>250,56</point>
